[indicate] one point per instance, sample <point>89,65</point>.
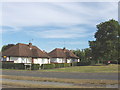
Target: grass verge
<point>74,81</point>
<point>112,68</point>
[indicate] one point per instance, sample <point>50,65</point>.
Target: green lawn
<point>112,68</point>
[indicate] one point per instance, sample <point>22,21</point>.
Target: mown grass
<point>112,68</point>
<point>74,81</point>
<point>29,85</point>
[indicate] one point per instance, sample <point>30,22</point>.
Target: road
<point>99,76</point>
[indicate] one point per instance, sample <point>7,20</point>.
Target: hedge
<point>12,65</point>
<point>67,64</point>
<point>55,65</point>
<point>35,67</point>
<point>8,65</point>
<point>84,63</point>
<point>74,64</point>
<point>59,65</point>
<point>111,62</point>
<point>47,66</point>
<point>19,66</point>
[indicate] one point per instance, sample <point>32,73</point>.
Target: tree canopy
<point>106,45</point>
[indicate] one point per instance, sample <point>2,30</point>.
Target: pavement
<point>68,75</point>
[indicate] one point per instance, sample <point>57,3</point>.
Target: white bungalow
<point>62,56</point>
<point>25,53</point>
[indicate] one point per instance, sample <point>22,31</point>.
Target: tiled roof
<point>62,53</point>
<point>24,50</point>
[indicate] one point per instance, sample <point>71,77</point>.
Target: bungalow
<point>25,53</point>
<point>62,56</point>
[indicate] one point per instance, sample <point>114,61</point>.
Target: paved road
<point>107,76</point>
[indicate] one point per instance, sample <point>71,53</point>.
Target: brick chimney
<point>64,49</point>
<point>30,45</point>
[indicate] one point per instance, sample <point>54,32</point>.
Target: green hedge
<point>84,63</point>
<point>8,65</point>
<point>74,64</point>
<point>59,65</point>
<point>67,64</point>
<point>111,62</point>
<point>47,66</point>
<point>55,65</point>
<point>12,65</point>
<point>19,66</point>
<point>35,67</point>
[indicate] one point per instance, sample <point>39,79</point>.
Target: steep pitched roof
<point>62,53</point>
<point>24,50</point>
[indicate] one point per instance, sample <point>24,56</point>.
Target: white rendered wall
<point>70,60</point>
<point>57,60</point>
<point>21,59</point>
<point>41,61</point>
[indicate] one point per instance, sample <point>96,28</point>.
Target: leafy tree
<point>84,54</point>
<point>106,45</point>
<point>5,47</point>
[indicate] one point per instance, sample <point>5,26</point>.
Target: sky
<point>50,25</point>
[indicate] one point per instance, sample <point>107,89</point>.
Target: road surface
<point>69,75</point>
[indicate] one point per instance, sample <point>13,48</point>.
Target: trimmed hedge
<point>67,64</point>
<point>47,66</point>
<point>74,64</point>
<point>8,65</point>
<point>84,63</point>
<point>59,65</point>
<point>55,65</point>
<point>35,67</point>
<point>19,66</point>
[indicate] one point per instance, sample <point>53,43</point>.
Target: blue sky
<point>54,24</point>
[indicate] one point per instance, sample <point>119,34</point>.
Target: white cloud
<point>69,42</point>
<point>61,33</point>
<point>59,0</point>
<point>18,15</point>
<point>34,14</point>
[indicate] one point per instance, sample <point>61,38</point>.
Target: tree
<point>79,53</point>
<point>106,45</point>
<point>84,54</point>
<point>5,47</point>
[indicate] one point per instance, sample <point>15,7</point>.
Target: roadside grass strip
<point>112,68</point>
<point>74,81</point>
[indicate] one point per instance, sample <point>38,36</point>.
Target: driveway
<point>99,76</point>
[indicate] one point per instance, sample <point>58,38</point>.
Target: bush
<point>84,63</point>
<point>74,64</point>
<point>67,64</point>
<point>59,65</point>
<point>7,65</point>
<point>111,62</point>
<point>19,66</point>
<point>35,67</point>
<point>47,66</point>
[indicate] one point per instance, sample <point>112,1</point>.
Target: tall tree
<point>106,45</point>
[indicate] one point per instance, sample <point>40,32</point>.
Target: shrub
<point>74,63</point>
<point>84,63</point>
<point>7,65</point>
<point>35,67</point>
<point>59,65</point>
<point>19,66</point>
<point>47,66</point>
<point>111,62</point>
<point>67,64</point>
